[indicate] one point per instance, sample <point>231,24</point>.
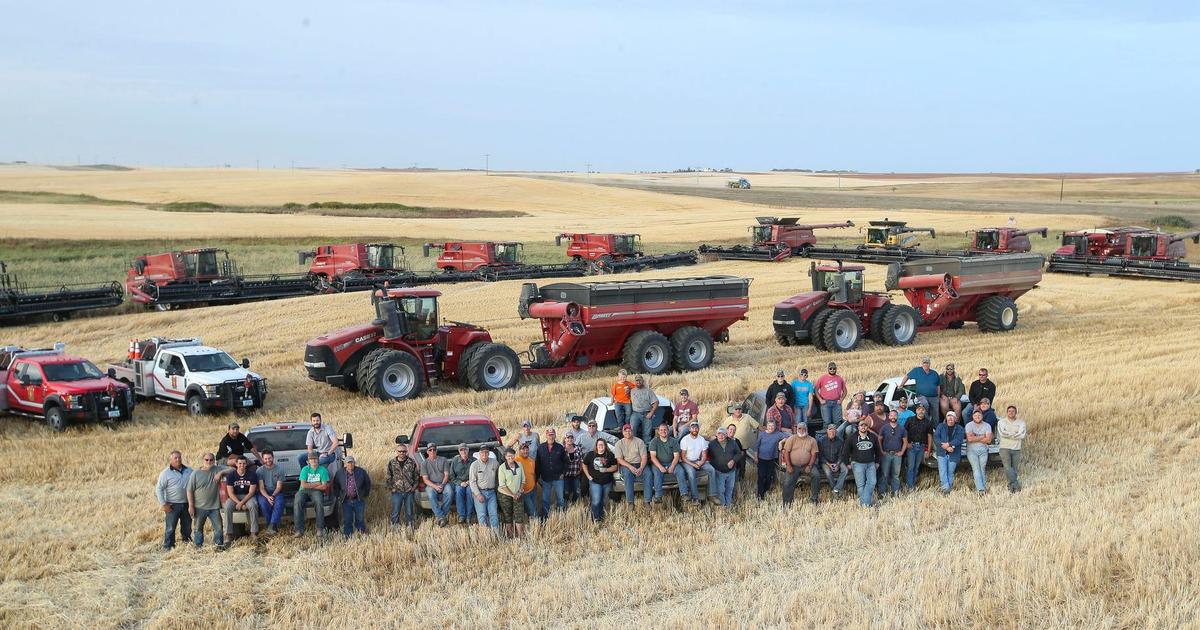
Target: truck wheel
<point>997,314</point>
<point>899,327</point>
<point>493,366</point>
<point>195,405</point>
<point>56,419</point>
<point>692,348</point>
<point>876,329</point>
<point>816,328</point>
<point>464,360</point>
<point>389,374</point>
<point>842,331</point>
<point>647,352</point>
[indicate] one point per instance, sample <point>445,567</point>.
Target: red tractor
<point>1005,240</point>
<point>942,293</point>
<point>473,255</point>
<point>650,325</point>
<point>611,253</point>
<point>201,276</point>
<point>774,239</point>
<point>356,266</point>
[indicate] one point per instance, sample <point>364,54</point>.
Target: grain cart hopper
<point>205,276</point>
<point>356,266</point>
<point>773,240</point>
<point>19,301</point>
<point>650,325</point>
<point>1126,252</point>
<point>614,253</point>
<point>941,293</point>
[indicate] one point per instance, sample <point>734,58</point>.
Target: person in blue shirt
<point>904,412</point>
<point>802,388</point>
<point>928,385</point>
<point>948,439</point>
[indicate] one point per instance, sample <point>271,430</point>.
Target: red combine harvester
<point>614,253</point>
<point>19,301</point>
<point>1133,252</point>
<point>495,260</point>
<point>773,239</point>
<point>651,326</point>
<point>1005,240</point>
<point>357,266</point>
<point>205,276</point>
<point>942,292</point>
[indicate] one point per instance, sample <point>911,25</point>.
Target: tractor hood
<point>343,338</point>
<point>804,301</point>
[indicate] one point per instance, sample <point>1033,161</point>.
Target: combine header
<point>886,241</point>
<point>19,301</point>
<point>357,266</point>
<point>495,260</point>
<point>651,326</point>
<point>941,293</point>
<point>1133,252</point>
<point>773,239</point>
<point>205,276</point>
<point>615,253</point>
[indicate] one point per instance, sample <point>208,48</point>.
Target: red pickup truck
<point>447,432</point>
<point>60,388</point>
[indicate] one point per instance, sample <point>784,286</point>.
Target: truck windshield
<point>380,256</point>
<point>507,253</point>
<point>80,371</point>
<point>458,433</point>
<point>760,233</point>
<point>280,439</point>
<point>877,235</point>
<point>210,362</point>
<point>987,240</point>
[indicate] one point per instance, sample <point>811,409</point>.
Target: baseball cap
<point>485,447</point>
<point>314,456</point>
<point>721,432</point>
<point>694,424</point>
<point>576,418</point>
<point>804,371</point>
<point>949,366</point>
<point>462,446</point>
<point>985,400</point>
<point>591,423</point>
<point>951,413</point>
<point>924,360</point>
<point>234,425</point>
<point>781,395</point>
<point>431,445</point>
<point>780,373</point>
<point>832,365</point>
<point>551,431</point>
<point>526,423</point>
<point>684,392</point>
<point>524,446</point>
<point>350,458</point>
<point>853,415</point>
<point>830,427</point>
<point>625,426</point>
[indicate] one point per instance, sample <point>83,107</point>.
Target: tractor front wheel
<point>693,348</point>
<point>842,331</point>
<point>493,366</point>
<point>389,374</point>
<point>875,331</point>
<point>647,352</point>
<point>816,327</point>
<point>784,340</point>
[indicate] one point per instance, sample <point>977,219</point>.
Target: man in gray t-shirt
<point>979,436</point>
<point>435,470</point>
<point>270,491</point>
<point>204,500</point>
<point>644,402</point>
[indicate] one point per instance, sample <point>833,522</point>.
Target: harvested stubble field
<point>1102,535</point>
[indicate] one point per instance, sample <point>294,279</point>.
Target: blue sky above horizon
<point>918,86</point>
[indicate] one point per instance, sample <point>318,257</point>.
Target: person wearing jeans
<point>460,474</point>
<point>829,463</point>
<point>724,455</point>
<point>644,403</point>
<point>204,501</point>
<point>599,466</point>
<point>573,475</point>
<point>979,436</point>
<point>171,492</point>
<point>664,460</point>
<point>403,476</point>
<point>862,453</point>
<point>919,430</point>
<point>893,439</point>
<point>948,439</point>
<point>482,483</point>
<point>634,461</point>
<point>314,482</point>
<point>830,391</point>
<point>767,452</point>
<point>799,456</point>
<point>693,452</point>
<point>270,491</point>
<point>550,465</point>
<point>1012,435</point>
<point>351,486</point>
<point>435,472</point>
<point>620,397</point>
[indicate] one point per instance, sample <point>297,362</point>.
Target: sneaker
<point>945,490</point>
<point>296,534</point>
<point>981,492</point>
<point>253,538</point>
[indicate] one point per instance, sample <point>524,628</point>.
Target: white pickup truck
<point>185,372</point>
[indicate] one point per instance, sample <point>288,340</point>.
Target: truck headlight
<point>210,391</point>
<point>72,402</point>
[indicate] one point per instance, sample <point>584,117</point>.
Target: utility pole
<point>589,170</point>
<point>256,165</point>
<point>839,181</point>
<point>1062,183</point>
<point>487,166</point>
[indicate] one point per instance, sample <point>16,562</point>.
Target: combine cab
<point>614,253</point>
<point>885,241</point>
<point>1133,252</point>
<point>651,326</point>
<point>942,293</point>
<point>19,301</point>
<point>492,260</point>
<point>772,240</point>
<point>1005,240</point>
<point>205,276</point>
<point>357,266</point>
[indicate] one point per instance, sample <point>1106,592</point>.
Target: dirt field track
<point>1102,369</point>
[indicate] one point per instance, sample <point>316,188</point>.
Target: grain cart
<point>614,253</point>
<point>19,301</point>
<point>187,373</point>
<point>1004,240</point>
<point>205,276</point>
<point>356,266</point>
<point>773,239</point>
<point>942,293</point>
<point>1127,252</point>
<point>492,260</point>
<point>885,241</point>
<point>649,325</point>
<point>59,388</point>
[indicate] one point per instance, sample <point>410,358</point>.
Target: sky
<point>620,86</point>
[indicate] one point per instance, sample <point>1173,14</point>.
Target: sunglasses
<point>208,459</point>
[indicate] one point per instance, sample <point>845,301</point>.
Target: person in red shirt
<point>831,389</point>
<point>686,410</point>
<point>620,397</point>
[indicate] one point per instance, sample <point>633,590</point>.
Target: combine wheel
<point>389,374</point>
<point>56,419</point>
<point>692,347</point>
<point>816,328</point>
<point>899,326</point>
<point>842,331</point>
<point>876,330</point>
<point>647,352</point>
<point>997,314</point>
<point>493,366</point>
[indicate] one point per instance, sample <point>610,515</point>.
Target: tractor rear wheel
<point>389,374</point>
<point>842,331</point>
<point>876,329</point>
<point>647,352</point>
<point>899,326</point>
<point>493,366</point>
<point>693,348</point>
<point>816,328</point>
<point>464,360</point>
<point>56,419</point>
<point>997,314</point>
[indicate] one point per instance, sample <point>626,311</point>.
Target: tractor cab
<point>844,283</point>
<point>408,313</point>
<point>509,253</point>
<point>627,244</point>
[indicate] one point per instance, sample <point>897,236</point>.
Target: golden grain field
<point>1103,535</point>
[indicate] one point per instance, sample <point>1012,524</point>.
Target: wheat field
<point>1102,370</point>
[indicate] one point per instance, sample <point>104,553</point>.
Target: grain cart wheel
<point>996,314</point>
<point>464,360</point>
<point>646,352</point>
<point>816,328</point>
<point>195,405</point>
<point>389,374</point>
<point>692,348</point>
<point>899,326</point>
<point>493,366</point>
<point>56,419</point>
<point>876,329</point>
<point>842,331</point>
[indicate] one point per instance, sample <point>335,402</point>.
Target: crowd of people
<point>860,436</point>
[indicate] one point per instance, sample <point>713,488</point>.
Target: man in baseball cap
<point>952,390</point>
<point>928,385</point>
<point>781,386</point>
<point>830,391</point>
<point>460,483</point>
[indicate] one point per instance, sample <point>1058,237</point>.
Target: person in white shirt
<point>694,450</point>
<point>1012,435</point>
